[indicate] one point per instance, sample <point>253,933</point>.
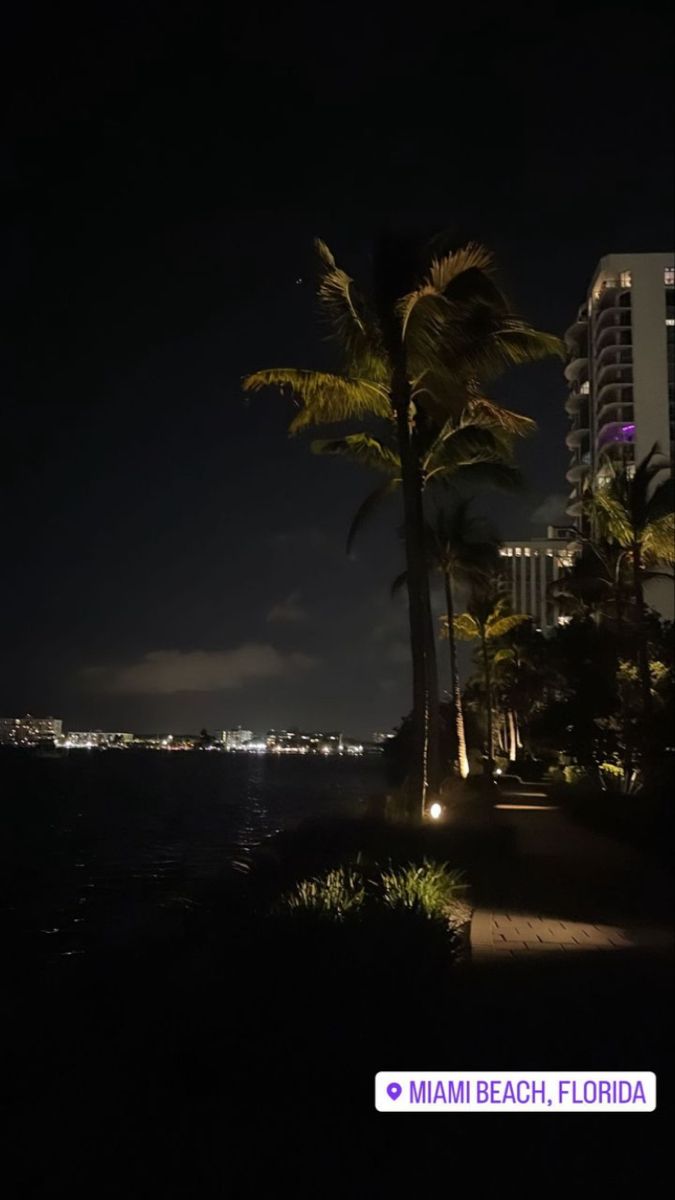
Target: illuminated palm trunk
<point>490,763</point>
<point>455,689</point>
<point>514,740</point>
<point>426,758</point>
<point>642,648</point>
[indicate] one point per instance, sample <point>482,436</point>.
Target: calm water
<point>97,849</point>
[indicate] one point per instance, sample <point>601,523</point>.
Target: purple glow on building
<point>617,433</point>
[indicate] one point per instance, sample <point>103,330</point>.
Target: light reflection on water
<point>97,849</point>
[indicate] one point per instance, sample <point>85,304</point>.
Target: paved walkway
<point>566,890</point>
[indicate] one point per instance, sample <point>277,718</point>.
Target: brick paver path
<point>567,890</point>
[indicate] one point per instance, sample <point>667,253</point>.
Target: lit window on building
<point>527,551</point>
<point>585,388</point>
<point>669,276</point>
<point>518,551</point>
<point>670,320</point>
<point>625,279</point>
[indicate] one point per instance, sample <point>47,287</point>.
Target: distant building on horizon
<point>28,730</point>
<point>621,375</point>
<point>234,739</point>
<point>94,739</point>
<point>295,741</point>
<point>530,566</point>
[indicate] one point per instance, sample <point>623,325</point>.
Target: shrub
<point>614,778</point>
<point>335,895</point>
<point>430,888</point>
<point>575,774</point>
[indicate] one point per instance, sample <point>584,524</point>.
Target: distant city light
<point>32,732</point>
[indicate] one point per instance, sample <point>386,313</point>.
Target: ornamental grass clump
<point>429,888</point>
<point>336,895</point>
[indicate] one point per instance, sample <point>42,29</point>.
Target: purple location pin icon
<point>394,1090</point>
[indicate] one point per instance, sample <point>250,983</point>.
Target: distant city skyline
<point>30,730</point>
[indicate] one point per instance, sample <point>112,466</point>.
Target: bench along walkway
<point>567,890</point>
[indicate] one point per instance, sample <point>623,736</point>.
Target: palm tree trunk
<point>642,648</point>
<point>426,766</point>
<point>455,689</point>
<point>513,737</point>
<point>490,762</point>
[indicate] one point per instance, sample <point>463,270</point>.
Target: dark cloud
<point>288,611</point>
<point>165,672</point>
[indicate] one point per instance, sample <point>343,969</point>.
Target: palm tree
<point>632,509</point>
<point>486,619</point>
<point>523,677</point>
<point>417,351</point>
<point>464,553</point>
<point>595,585</point>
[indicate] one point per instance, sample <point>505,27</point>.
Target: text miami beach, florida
<point>512,1091</point>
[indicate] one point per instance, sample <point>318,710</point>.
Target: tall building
<point>621,368</point>
<point>235,739</point>
<point>530,567</point>
<point>29,731</point>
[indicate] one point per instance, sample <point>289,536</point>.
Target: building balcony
<point>619,434</point>
<point>577,472</point>
<point>575,368</point>
<point>611,318</point>
<point>613,355</point>
<point>576,437</point>
<point>615,338</point>
<point>572,403</point>
<point>615,410</point>
<point>575,506</point>
<point>619,373</point>
<point>621,393</point>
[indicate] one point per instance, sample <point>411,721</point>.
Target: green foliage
<point>346,893</point>
<point>634,508</point>
<point>324,399</point>
<point>337,894</point>
<point>575,774</point>
<point>429,888</point>
<point>493,622</point>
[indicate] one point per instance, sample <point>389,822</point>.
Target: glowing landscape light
<point>435,811</point>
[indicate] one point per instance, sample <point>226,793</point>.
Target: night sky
<point>171,559</point>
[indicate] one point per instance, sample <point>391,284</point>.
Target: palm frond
<point>466,627</point>
<point>460,445</point>
<point>368,508</point>
<point>325,399</point>
<point>520,343</point>
<point>482,411</point>
<point>658,541</point>
<point>504,655</point>
<point>472,257</point>
<point>499,627</point>
<point>399,583</point>
<point>480,341</point>
<point>611,515</point>
<point>360,448</point>
<point>350,320</point>
<point>661,501</point>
